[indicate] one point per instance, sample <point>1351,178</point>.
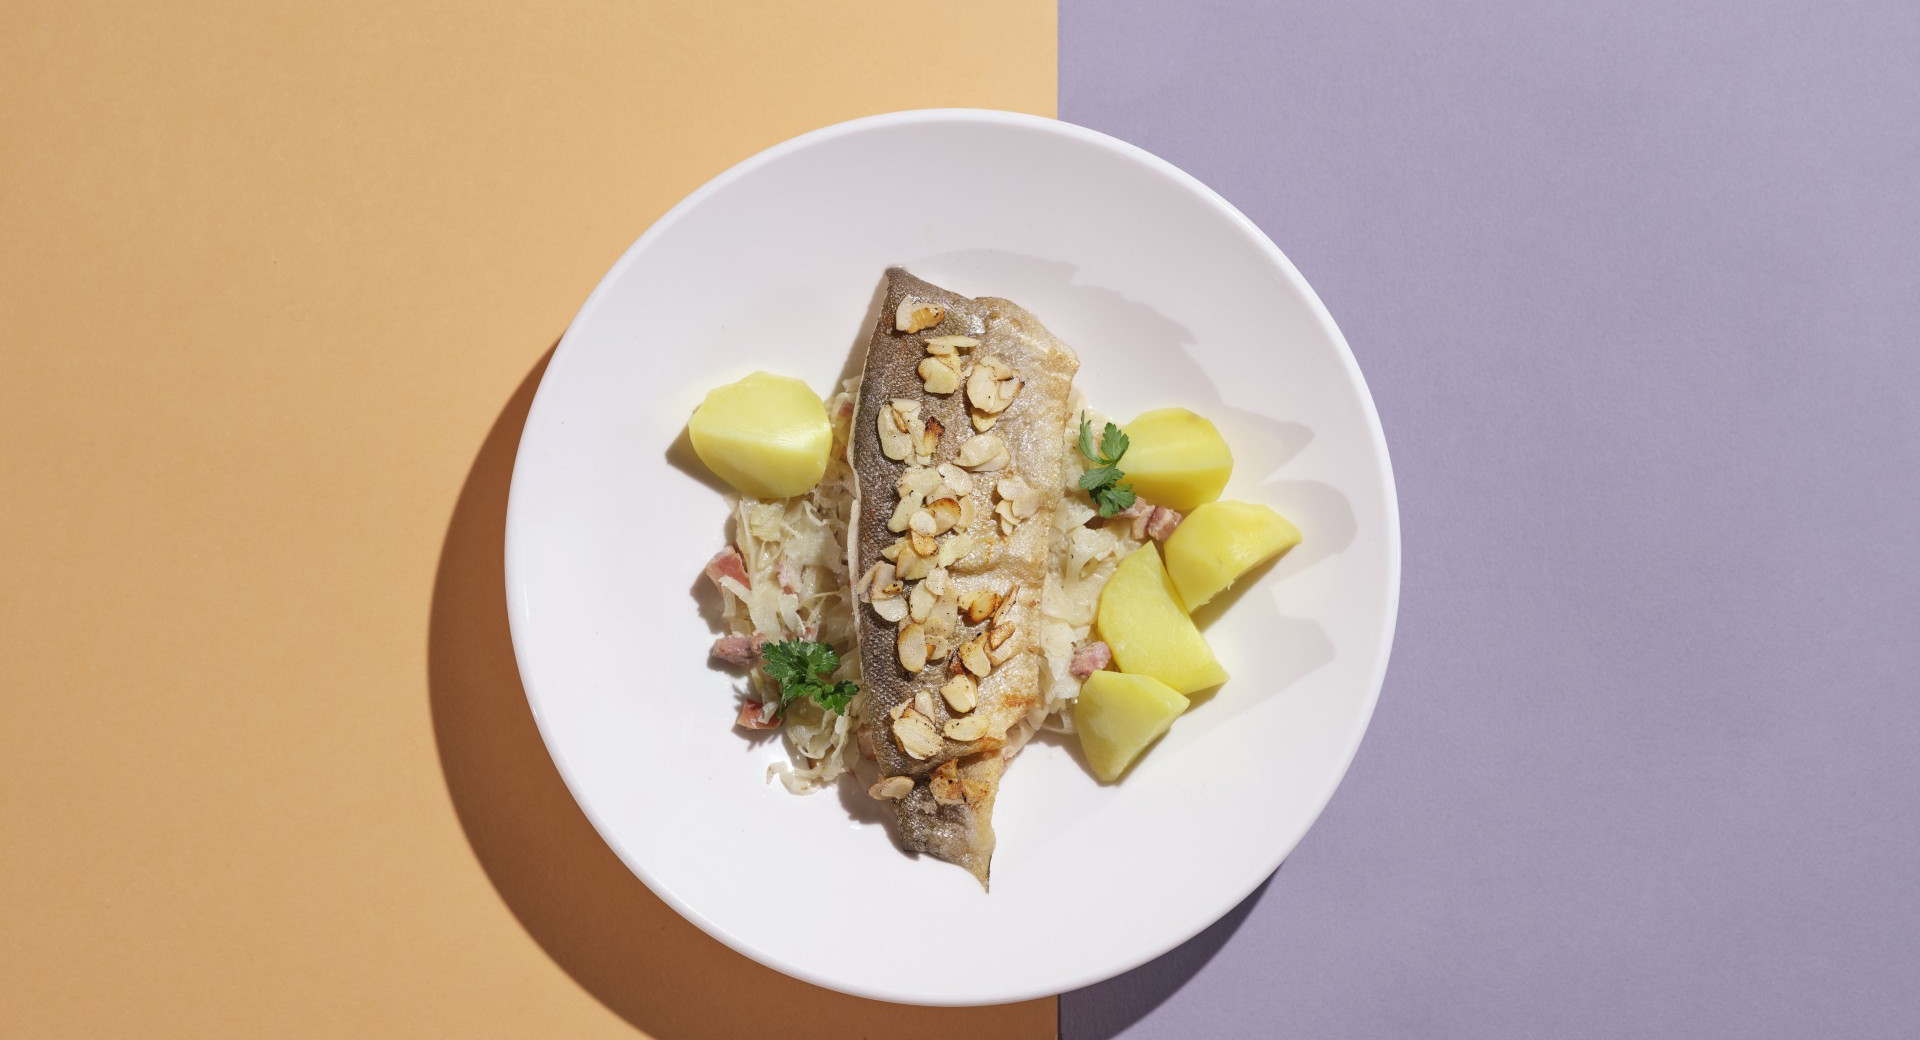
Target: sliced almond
<point>922,522</point>
<point>895,442</point>
<point>978,452</point>
<point>945,783</point>
<point>916,736</point>
<point>992,385</point>
<point>1002,644</point>
<point>936,581</point>
<point>973,792</point>
<point>951,343</point>
<point>1007,520</point>
<point>912,646</point>
<point>958,480</point>
<point>979,605</point>
<point>912,564</point>
<point>955,548</point>
<point>967,729</point>
<point>945,514</point>
<point>961,693</point>
<point>966,513</point>
<point>914,315</point>
<point>998,635</point>
<point>938,377</point>
<point>982,422</point>
<point>923,702</point>
<point>892,552</point>
<point>973,654</point>
<point>919,480</point>
<point>892,788</point>
<point>863,590</point>
<point>923,545</point>
<point>920,602</point>
<point>903,512</point>
<point>927,440</point>
<point>893,610</point>
<point>941,346</point>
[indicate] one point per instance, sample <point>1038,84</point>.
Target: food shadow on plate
<point>574,897</point>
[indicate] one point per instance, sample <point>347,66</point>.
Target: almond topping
<point>903,512</point>
<point>973,654</point>
<point>892,788</point>
<point>923,546</point>
<point>938,376</point>
<point>927,440</point>
<point>992,386</point>
<point>912,564</point>
<point>958,480</point>
<point>967,729</point>
<point>920,602</point>
<point>982,422</point>
<point>1001,643</point>
<point>895,442</point>
<point>912,645</point>
<point>936,581</point>
<point>950,344</point>
<point>922,521</point>
<point>945,514</point>
<point>955,548</point>
<point>923,702</point>
<point>914,315</point>
<point>961,693</point>
<point>1007,520</point>
<point>892,552</point>
<point>920,480</point>
<point>979,605</point>
<point>986,452</point>
<point>893,610</point>
<point>946,785</point>
<point>916,736</point>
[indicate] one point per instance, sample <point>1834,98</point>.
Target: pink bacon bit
<point>727,564</point>
<point>1161,522</point>
<point>739,651</point>
<point>789,576</point>
<point>755,715</point>
<point>1136,516</point>
<point>1090,659</point>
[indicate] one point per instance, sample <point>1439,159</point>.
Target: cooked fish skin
<point>1012,565</point>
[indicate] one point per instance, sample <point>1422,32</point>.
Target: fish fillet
<point>942,724</point>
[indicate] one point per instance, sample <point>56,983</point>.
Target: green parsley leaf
<point>801,668</point>
<point>1102,480</point>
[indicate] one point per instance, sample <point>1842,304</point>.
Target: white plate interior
<point>1171,297</point>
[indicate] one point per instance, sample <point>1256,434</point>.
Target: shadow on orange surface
<point>574,897</point>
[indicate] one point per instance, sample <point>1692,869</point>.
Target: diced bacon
<point>789,576</point>
<point>755,715</point>
<point>1090,659</point>
<point>1136,516</point>
<point>1161,522</point>
<point>727,564</point>
<point>739,651</point>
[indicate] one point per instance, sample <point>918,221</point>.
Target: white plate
<point>1171,296</point>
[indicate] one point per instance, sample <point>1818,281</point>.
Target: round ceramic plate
<point>1171,297</point>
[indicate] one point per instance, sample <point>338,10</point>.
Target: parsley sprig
<point>801,668</point>
<point>1102,482</point>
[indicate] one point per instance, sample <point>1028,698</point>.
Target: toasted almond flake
<point>891,552</point>
<point>895,442</point>
<point>911,643</point>
<point>972,791</point>
<point>863,589</point>
<point>922,522</point>
<point>892,788</point>
<point>923,701</point>
<point>939,347</point>
<point>892,610</point>
<point>955,548</point>
<point>961,693</point>
<point>906,406</point>
<point>1007,520</point>
<point>945,783</point>
<point>919,480</point>
<point>927,439</point>
<point>916,736</point>
<point>936,581</point>
<point>967,729</point>
<point>898,710</point>
<point>920,602</point>
<point>982,422</point>
<point>938,377</point>
<point>913,565</point>
<point>973,654</point>
<point>1008,601</point>
<point>952,343</point>
<point>924,546</point>
<point>979,605</point>
<point>945,513</point>
<point>914,315</point>
<point>992,385</point>
<point>1002,644</point>
<point>977,452</point>
<point>958,480</point>
<point>903,512</point>
<point>966,513</point>
<point>998,635</point>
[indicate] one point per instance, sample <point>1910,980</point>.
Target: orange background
<point>275,285</point>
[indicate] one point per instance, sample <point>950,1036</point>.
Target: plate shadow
<point>592,916</point>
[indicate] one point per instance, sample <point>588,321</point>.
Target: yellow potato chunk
<point>766,435</point>
<point>1219,542</point>
<point>1147,628</point>
<point>1175,459</point>
<point>1117,716</point>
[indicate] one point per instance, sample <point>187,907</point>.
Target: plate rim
<point>515,533</point>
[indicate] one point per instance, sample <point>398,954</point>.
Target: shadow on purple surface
<point>1113,1006</point>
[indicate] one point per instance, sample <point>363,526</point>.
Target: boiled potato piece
<point>1147,628</point>
<point>1175,459</point>
<point>766,435</point>
<point>1220,541</point>
<point>1117,716</point>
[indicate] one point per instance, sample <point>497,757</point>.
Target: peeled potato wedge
<point>1146,626</point>
<point>766,435</point>
<point>1118,715</point>
<point>1220,541</point>
<point>1175,458</point>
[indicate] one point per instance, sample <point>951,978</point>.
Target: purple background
<point>1637,290</point>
